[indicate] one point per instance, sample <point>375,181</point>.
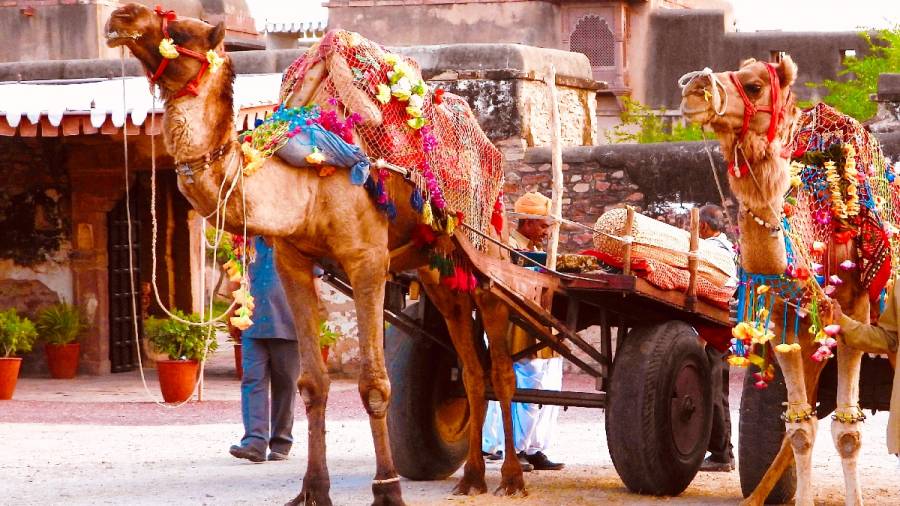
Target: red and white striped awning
<point>67,108</point>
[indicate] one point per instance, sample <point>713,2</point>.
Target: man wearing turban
<point>533,426</point>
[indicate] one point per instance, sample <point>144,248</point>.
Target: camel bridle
<point>751,109</point>
<point>191,86</point>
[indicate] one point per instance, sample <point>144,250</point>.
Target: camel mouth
<point>116,38</point>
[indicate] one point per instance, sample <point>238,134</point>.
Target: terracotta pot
<point>238,360</point>
<point>9,374</point>
<point>325,354</point>
<point>177,379</point>
<point>63,359</point>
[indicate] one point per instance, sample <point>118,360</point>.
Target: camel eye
<point>752,88</point>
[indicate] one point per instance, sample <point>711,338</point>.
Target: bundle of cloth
<point>660,255</point>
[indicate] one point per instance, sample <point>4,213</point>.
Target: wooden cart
<point>651,369</point>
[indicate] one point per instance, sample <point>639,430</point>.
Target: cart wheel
<point>659,414</point>
<point>427,425</point>
<point>761,432</point>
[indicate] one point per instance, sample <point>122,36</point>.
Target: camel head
<point>151,33</point>
<point>743,110</point>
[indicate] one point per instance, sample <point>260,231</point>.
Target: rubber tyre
<point>761,431</point>
<point>428,428</point>
<point>655,449</point>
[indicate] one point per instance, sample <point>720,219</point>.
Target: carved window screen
<point>593,37</point>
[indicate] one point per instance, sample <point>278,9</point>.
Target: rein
<point>750,109</point>
<point>191,86</point>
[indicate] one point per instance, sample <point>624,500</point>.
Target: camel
<point>312,217</point>
<point>753,114</point>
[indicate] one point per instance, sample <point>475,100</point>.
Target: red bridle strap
<point>191,86</point>
<point>750,109</point>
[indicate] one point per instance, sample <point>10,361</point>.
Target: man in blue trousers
<point>271,362</point>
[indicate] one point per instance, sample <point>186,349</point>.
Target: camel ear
<point>217,34</point>
<point>748,61</point>
<point>787,71</point>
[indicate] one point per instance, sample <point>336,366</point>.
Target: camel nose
<point>697,86</point>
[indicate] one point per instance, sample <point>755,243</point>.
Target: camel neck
<point>196,126</point>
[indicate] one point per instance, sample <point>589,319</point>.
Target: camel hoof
<point>308,499</point>
<point>466,487</point>
<point>387,494</point>
<point>512,488</point>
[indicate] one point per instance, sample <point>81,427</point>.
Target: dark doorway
<point>122,352</point>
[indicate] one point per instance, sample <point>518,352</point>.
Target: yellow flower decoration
<point>414,112</point>
<point>738,361</point>
<point>391,58</point>
<point>761,289</point>
<point>415,123</point>
<point>253,159</point>
<point>167,49</point>
<point>785,348</point>
<point>383,94</point>
<point>742,331</point>
<point>316,157</point>
<point>215,61</point>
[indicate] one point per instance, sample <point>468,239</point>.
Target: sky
<point>751,15</point>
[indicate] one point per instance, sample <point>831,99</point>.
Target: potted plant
<point>59,325</point>
<point>17,335</point>
<point>327,338</point>
<point>186,345</point>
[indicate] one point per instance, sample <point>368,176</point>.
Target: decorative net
<point>396,117</point>
<point>843,194</point>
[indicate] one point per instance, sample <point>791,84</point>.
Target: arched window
<point>593,37</point>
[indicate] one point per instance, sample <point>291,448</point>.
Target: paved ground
<point>101,441</point>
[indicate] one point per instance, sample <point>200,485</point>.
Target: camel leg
<point>845,425</point>
<point>367,276</point>
<point>811,372</point>
<point>457,311</point>
<point>800,423</point>
<point>295,270</point>
<point>503,378</point>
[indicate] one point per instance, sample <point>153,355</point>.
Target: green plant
<point>328,336</point>
<point>60,323</point>
<point>179,340</point>
<point>643,125</point>
<point>851,96</point>
<point>225,251</point>
<point>17,333</point>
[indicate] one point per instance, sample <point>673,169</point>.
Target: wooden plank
<point>626,231</point>
<point>5,129</point>
<point>27,128</point>
<point>47,128</point>
<point>556,167</point>
<point>71,125</point>
<point>678,300</point>
<point>692,258</point>
<point>87,127</point>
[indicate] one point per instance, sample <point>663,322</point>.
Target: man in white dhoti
<point>533,426</point>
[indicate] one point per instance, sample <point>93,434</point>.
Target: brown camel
<point>312,217</point>
<point>752,112</point>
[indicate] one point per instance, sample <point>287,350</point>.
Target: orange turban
<point>532,203</point>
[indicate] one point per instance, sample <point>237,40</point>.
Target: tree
<point>851,95</point>
<point>643,125</point>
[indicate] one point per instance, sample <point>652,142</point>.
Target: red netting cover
<point>402,120</point>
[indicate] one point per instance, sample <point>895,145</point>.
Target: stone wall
<point>35,214</point>
<point>685,40</point>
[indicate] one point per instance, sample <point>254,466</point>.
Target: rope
<point>220,219</point>
<point>686,80</point>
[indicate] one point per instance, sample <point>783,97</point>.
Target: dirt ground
<point>100,441</point>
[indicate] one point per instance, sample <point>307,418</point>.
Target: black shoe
<point>542,463</point>
<point>492,456</point>
<point>246,452</point>
<point>523,461</point>
<point>273,455</point>
<point>714,466</point>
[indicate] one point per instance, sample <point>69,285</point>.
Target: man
<point>271,365</point>
<point>721,458</point>
<point>881,339</point>
<point>533,426</point>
